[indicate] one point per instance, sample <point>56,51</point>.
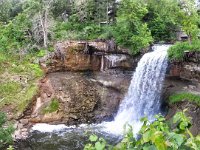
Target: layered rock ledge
<point>84,56</point>
<point>188,69</point>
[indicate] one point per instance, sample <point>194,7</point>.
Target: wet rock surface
<point>85,97</point>
<point>174,85</point>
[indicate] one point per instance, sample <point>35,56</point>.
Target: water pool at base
<point>65,139</point>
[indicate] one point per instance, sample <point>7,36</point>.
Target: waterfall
<point>114,59</point>
<point>110,61</point>
<point>143,96</point>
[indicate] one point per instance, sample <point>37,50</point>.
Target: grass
<point>18,82</point>
<point>185,97</point>
<point>52,107</point>
<point>8,88</point>
<point>177,51</point>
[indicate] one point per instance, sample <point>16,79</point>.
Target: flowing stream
<point>142,99</point>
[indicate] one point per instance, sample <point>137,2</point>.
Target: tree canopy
<point>131,23</point>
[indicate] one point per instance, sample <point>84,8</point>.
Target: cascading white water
<point>143,97</point>
<point>111,61</point>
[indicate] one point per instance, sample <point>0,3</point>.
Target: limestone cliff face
<point>87,79</point>
<point>84,56</point>
<point>188,69</point>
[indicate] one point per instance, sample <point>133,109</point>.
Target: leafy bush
<point>5,131</point>
<point>185,97</point>
<point>159,135</point>
<point>14,36</point>
<point>177,51</point>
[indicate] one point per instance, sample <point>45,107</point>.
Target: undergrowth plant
<point>184,97</point>
<point>52,107</point>
<point>159,135</point>
<point>5,131</point>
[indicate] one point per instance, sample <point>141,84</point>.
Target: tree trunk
<point>45,28</point>
<point>43,18</point>
<point>189,39</point>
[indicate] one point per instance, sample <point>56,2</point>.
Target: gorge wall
<point>84,83</point>
<point>184,77</point>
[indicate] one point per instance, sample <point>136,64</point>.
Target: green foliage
<point>130,30</point>
<point>10,148</point>
<point>185,97</point>
<point>5,131</point>
<point>14,35</point>
<point>177,51</point>
<point>189,19</point>
<point>97,144</point>
<point>138,22</point>
<point>52,107</point>
<point>158,135</point>
<point>5,7</point>
<point>9,9</point>
<point>59,7</point>
<point>82,31</point>
<point>162,19</point>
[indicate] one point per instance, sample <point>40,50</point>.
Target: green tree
<point>15,35</point>
<point>162,19</point>
<point>5,10</point>
<point>39,11</point>
<point>189,19</point>
<point>131,31</point>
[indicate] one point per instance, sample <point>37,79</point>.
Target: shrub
<point>5,131</point>
<point>177,51</point>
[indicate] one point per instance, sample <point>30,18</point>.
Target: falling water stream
<point>142,99</point>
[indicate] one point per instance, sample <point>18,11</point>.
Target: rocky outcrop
<point>188,69</point>
<point>82,97</point>
<point>84,56</point>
